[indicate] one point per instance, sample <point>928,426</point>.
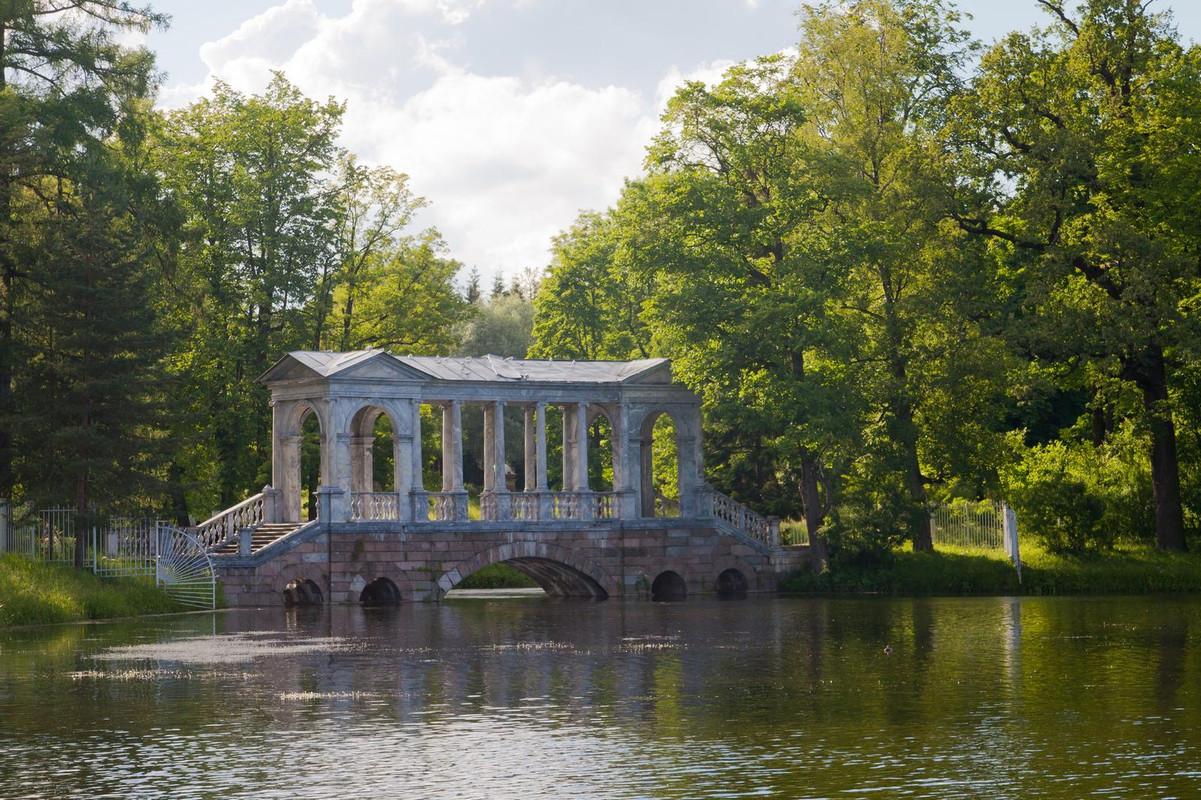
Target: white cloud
<point>506,161</point>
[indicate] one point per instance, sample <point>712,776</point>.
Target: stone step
<point>262,536</point>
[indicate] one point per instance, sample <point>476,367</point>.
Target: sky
<point>509,116</point>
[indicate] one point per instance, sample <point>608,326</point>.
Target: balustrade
<point>445,507</point>
<point>222,528</point>
<point>372,506</point>
<point>738,516</point>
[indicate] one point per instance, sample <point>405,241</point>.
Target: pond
<point>515,697</point>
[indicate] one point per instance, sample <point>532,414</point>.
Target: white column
<point>625,466</point>
<point>497,412</point>
<point>489,449</point>
<point>540,447</point>
<point>452,446</point>
<point>416,479</point>
<point>531,455</point>
<point>289,479</point>
<point>581,452</point>
<point>362,473</point>
<point>569,445</point>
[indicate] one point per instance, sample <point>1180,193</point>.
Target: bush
<point>1074,498</point>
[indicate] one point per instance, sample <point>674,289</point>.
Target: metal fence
<point>122,547</point>
<point>985,525</point>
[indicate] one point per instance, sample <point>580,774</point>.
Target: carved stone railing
<point>525,505</point>
<point>372,506</point>
<point>606,505</point>
<point>443,507</point>
<point>568,505</point>
<point>736,515</point>
<point>216,531</point>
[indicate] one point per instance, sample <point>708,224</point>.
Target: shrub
<point>1074,497</point>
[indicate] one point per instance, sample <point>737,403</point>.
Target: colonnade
<point>347,439</point>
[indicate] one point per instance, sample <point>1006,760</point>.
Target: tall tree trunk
<point>812,506</point>
<point>1152,378</point>
<point>814,510</point>
<point>904,427</point>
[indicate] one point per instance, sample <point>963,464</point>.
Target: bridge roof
<point>488,368</point>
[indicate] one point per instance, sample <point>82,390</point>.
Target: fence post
<point>6,525</point>
<point>1010,527</point>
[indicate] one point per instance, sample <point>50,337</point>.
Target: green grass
<point>33,593</point>
<point>496,576</point>
<point>1129,569</point>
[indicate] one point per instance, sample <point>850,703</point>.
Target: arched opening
<point>310,464</point>
<point>600,451</point>
<point>668,586</point>
<point>660,466</point>
<point>731,584</point>
<point>372,451</point>
<point>383,455</point>
<point>554,578</point>
<point>303,592</point>
<point>380,592</point>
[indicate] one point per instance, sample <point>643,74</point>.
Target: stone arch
<point>724,564</point>
<point>649,505</point>
<point>597,459</point>
<point>558,571</point>
<point>363,445</point>
<point>668,585</point>
<point>288,436</point>
<point>371,572</point>
<point>297,573</point>
<point>303,592</point>
<point>732,583</point>
<point>380,592</point>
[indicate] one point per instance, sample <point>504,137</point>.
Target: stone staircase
<point>263,535</point>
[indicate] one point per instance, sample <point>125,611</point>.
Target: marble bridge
<point>411,542</point>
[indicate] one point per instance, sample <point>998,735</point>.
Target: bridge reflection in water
<point>980,697</point>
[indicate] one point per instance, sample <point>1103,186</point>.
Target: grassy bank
<point>957,571</point>
<point>32,593</point>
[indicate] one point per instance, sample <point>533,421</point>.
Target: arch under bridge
<point>378,533</point>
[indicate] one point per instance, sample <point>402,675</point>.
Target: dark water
<point>1058,698</point>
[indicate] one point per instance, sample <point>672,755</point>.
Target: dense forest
<point>898,266</point>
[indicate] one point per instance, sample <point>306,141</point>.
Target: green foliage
<point>33,593</point>
<point>1074,163</point>
<point>1073,496</point>
<point>503,326</point>
<point>497,576</point>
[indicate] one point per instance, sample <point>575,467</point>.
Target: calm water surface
<point>995,697</point>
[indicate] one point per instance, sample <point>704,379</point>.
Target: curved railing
<point>223,528</point>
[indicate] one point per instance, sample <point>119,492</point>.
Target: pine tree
<point>92,406</point>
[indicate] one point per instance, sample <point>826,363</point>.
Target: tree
<point>588,306</point>
<point>372,208</point>
<point>64,77</point>
<point>503,326</point>
<point>1076,145</point>
<point>249,173</point>
<point>875,76</point>
<point>408,299</point>
<point>95,387</point>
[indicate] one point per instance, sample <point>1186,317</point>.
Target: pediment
<point>379,366</point>
<point>659,373</point>
<point>289,368</point>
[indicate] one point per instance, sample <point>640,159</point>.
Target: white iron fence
<point>985,525</point>
<point>124,547</point>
